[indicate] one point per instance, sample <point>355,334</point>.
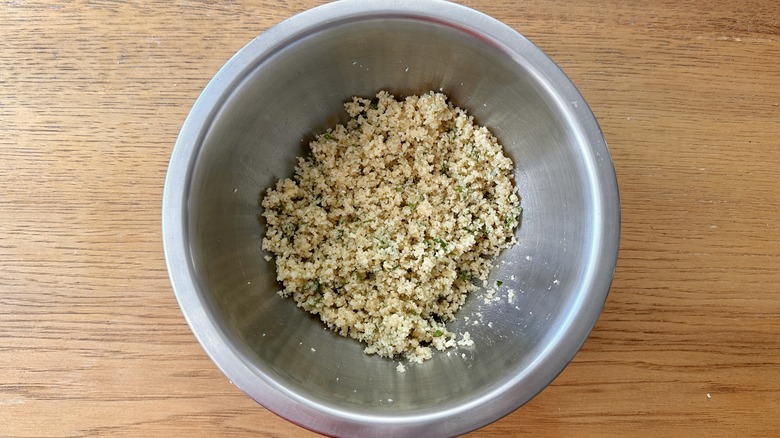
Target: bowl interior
<point>274,108</point>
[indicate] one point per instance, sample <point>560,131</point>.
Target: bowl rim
<point>325,419</point>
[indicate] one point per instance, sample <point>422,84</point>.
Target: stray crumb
<point>490,325</point>
<point>313,350</point>
<point>510,295</point>
<point>709,395</point>
<point>407,69</point>
<point>528,257</point>
<point>489,295</point>
<point>235,190</point>
<point>389,400</point>
<point>400,368</point>
<point>463,355</point>
<point>465,340</point>
<point>267,258</point>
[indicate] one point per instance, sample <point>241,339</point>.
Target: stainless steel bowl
<point>258,113</point>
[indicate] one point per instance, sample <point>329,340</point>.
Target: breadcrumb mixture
<point>384,228</point>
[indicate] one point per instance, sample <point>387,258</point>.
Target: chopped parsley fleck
<point>445,169</point>
<point>464,274</point>
<point>441,243</point>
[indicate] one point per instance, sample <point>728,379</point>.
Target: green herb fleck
<point>437,333</point>
<point>327,136</point>
<point>289,229</point>
<point>499,283</point>
<point>383,243</point>
<point>464,274</point>
<point>445,169</point>
<point>509,222</point>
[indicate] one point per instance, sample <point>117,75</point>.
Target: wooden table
<point>92,96</point>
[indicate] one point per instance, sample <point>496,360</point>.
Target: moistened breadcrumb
<point>384,228</point>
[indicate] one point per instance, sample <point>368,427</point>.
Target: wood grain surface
<point>92,96</point>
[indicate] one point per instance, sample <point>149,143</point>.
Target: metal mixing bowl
<point>257,115</point>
